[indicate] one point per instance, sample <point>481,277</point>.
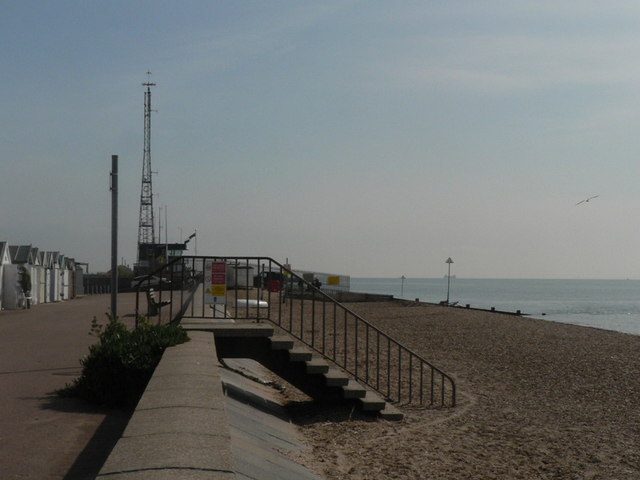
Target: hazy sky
<point>367,138</point>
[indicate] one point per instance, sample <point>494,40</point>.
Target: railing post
<point>378,360</point>
<point>335,332</point>
<point>313,318</point>
<point>355,349</point>
<point>399,373</point>
<point>302,316</point>
<point>421,383</point>
<point>366,358</point>
<point>433,387</point>
<point>324,321</point>
<point>388,367</point>
<point>346,325</point>
<point>410,377</point>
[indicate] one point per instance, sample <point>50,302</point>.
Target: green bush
<point>119,366</point>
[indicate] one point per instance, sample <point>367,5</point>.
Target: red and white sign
<point>215,282</point>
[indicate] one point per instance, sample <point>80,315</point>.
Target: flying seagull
<point>587,199</point>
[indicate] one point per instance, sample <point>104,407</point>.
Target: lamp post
<point>402,286</point>
<point>449,262</point>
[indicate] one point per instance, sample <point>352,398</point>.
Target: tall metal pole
<point>114,236</point>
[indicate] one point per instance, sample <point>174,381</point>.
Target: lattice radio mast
<point>146,230</point>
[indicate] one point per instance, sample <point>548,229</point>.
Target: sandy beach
<point>536,400</point>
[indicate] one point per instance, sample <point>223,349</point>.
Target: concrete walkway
<point>43,436</point>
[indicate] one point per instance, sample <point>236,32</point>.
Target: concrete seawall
<point>198,420</point>
<point>180,428</point>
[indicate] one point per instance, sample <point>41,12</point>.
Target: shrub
<point>119,366</point>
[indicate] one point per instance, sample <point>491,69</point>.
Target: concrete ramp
<point>260,430</point>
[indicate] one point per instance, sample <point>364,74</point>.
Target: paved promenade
<point>42,436</point>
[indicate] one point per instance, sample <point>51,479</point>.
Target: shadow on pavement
<point>89,462</point>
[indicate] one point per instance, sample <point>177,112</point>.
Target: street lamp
<point>402,286</point>
<point>449,262</point>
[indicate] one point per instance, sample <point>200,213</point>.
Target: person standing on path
<point>25,284</point>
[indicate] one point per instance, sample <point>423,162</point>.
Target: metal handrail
<point>320,322</point>
<point>161,292</point>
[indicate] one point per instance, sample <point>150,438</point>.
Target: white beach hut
<point>36,271</point>
<point>12,291</point>
<point>65,279</point>
<point>329,281</point>
<point>10,288</point>
<point>60,277</point>
<point>240,275</point>
<point>54,276</point>
<point>5,259</point>
<point>42,280</point>
<point>71,268</point>
<point>49,277</point>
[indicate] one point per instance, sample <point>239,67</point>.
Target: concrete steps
<point>281,342</point>
<point>334,378</point>
<point>299,354</point>
<point>353,390</point>
<point>316,365</point>
<point>391,414</point>
<point>372,402</point>
<point>294,362</point>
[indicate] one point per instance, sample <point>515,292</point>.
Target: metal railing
<point>171,287</point>
<point>313,317</point>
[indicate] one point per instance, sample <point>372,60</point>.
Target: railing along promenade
<point>311,316</point>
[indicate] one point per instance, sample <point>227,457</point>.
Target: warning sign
<point>215,282</point>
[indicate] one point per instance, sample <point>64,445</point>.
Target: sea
<point>606,304</point>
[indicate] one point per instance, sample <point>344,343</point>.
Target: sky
<point>366,138</point>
